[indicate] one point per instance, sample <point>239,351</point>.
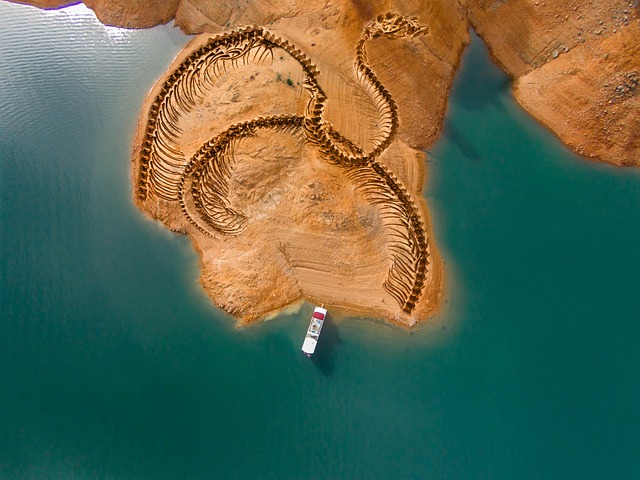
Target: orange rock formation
<point>295,179</point>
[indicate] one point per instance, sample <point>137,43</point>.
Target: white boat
<point>313,332</point>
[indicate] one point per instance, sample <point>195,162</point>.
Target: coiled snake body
<point>200,183</point>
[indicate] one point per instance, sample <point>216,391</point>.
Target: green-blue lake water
<point>114,365</point>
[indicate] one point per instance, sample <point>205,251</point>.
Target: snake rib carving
<point>200,183</point>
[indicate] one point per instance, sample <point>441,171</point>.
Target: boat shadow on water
<point>458,138</point>
<point>324,357</point>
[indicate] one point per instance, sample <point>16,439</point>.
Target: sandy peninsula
<point>576,68</point>
<point>286,139</point>
<point>296,175</point>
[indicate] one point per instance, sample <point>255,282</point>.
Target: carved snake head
<point>393,25</point>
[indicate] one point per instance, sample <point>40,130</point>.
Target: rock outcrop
<point>134,13</point>
<point>575,65</point>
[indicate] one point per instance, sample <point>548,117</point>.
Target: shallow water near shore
<point>114,365</point>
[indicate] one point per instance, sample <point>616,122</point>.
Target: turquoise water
<point>113,364</point>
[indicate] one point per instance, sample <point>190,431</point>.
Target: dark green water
<point>113,365</point>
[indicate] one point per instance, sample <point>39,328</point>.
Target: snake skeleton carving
<point>201,182</point>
